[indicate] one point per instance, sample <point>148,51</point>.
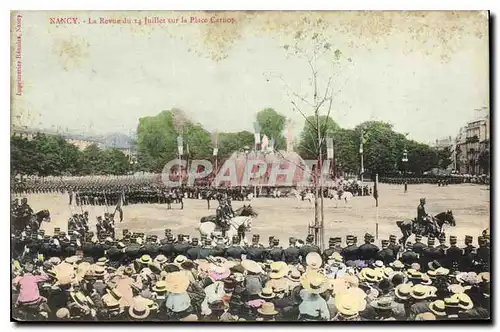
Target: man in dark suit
<point>308,247</point>
<point>394,246</point>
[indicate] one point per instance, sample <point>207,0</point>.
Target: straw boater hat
<point>313,260</point>
<point>110,302</point>
<point>145,259</point>
<point>98,271</point>
<point>251,266</point>
<point>441,271</point>
<point>348,305</point>
<point>335,257</point>
<point>294,275</point>
<point>102,261</point>
<point>456,289</point>
<point>438,308</point>
<point>63,313</point>
<point>378,263</point>
<point>160,259</point>
<point>219,273</point>
<point>403,291</point>
<point>267,293</point>
<point>397,264</point>
<point>278,270</point>
<point>160,286</point>
<point>176,282</point>
<point>419,292</point>
<point>139,311</point>
<point>267,309</point>
<point>314,282</point>
<point>465,302</point>
<point>425,316</point>
<point>384,304</point>
<point>370,275</point>
<point>80,299</point>
<point>388,272</point>
<point>71,259</point>
<point>180,259</point>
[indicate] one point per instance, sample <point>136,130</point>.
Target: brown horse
<point>409,227</point>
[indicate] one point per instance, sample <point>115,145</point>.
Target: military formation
<point>437,180</point>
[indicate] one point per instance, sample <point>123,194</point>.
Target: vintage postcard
<point>220,166</point>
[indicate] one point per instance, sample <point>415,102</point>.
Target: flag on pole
<point>271,145</point>
<point>216,150</point>
<point>375,190</point>
<point>187,148</point>
<point>257,133</point>
<point>119,206</point>
<point>329,148</point>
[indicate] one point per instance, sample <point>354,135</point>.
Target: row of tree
<point>45,155</point>
<point>157,143</point>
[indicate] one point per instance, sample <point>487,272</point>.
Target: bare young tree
<point>325,65</point>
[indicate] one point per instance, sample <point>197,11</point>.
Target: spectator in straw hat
<point>267,312</point>
<point>420,295</point>
<point>278,270</point>
<point>313,306</point>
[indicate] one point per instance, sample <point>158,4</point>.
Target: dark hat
<point>349,237</point>
<point>229,283</point>
<point>236,239</point>
<point>203,236</point>
<point>271,238</point>
<point>453,239</point>
<point>256,236</point>
<point>168,231</point>
<point>292,240</point>
<point>368,236</point>
<point>355,239</point>
<point>194,240</point>
<point>180,237</point>
<point>337,239</point>
<point>208,241</point>
<point>331,240</point>
<point>442,236</point>
<point>310,237</point>
<point>56,230</point>
<point>468,237</point>
<point>431,240</point>
<point>125,231</point>
<point>41,232</point>
<point>392,237</point>
<point>481,240</point>
<point>418,237</point>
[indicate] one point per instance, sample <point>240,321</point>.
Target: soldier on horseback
<point>426,221</point>
<point>224,214</point>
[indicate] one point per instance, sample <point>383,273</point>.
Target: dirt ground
<point>287,217</point>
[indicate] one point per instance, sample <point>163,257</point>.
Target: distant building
<point>443,143</point>
<point>472,141</point>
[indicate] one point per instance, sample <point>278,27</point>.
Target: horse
<point>345,196</point>
<point>303,196</point>
<point>241,223</point>
<point>409,227</point>
<point>34,221</point>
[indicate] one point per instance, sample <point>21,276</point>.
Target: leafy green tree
<point>115,162</point>
<point>231,142</point>
<point>444,156</point>
<point>93,160</point>
<point>272,124</point>
<point>308,145</point>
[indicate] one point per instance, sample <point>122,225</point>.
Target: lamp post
<point>405,163</point>
<point>180,150</point>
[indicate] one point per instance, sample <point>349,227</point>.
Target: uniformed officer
<point>235,250</point>
<point>483,255</point>
<point>193,252</point>
<point>394,246</point>
<point>206,250</point>
<point>418,246</point>
<point>408,257</point>
<point>469,254</point>
<point>330,250</point>
<point>276,252</point>
<point>385,254</point>
<point>308,247</point>
<point>291,255</point>
<point>453,255</point>
<point>368,251</point>
<point>442,247</point>
<point>350,252</point>
<point>255,251</point>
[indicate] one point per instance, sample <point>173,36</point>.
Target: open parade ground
<point>285,217</point>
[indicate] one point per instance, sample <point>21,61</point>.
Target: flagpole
<point>376,208</point>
